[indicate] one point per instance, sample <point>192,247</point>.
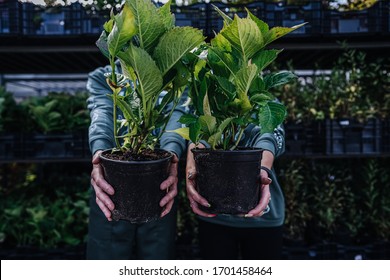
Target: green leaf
<point>260,98</point>
<point>226,19</point>
<point>126,109</point>
<point>195,131</point>
<point>206,105</point>
<point>182,75</point>
<point>102,44</point>
<point>243,82</point>
<point>166,16</point>
<point>217,137</point>
<point>278,79</point>
<point>149,76</point>
<point>168,97</point>
<point>188,119</point>
<point>124,29</point>
<point>271,115</point>
<point>222,63</point>
<point>149,22</point>
<point>174,44</point>
<point>257,86</point>
<point>226,86</point>
<point>245,36</point>
<point>264,58</point>
<point>208,124</point>
<point>277,32</point>
<point>108,25</point>
<point>183,132</point>
<point>264,28</point>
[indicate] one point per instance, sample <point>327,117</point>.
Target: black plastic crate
<point>367,21</point>
<point>280,14</point>
<point>348,136</point>
<point>52,146</point>
<point>206,18</point>
<point>386,136</point>
<point>305,139</point>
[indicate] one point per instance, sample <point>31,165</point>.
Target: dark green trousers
<point>118,240</point>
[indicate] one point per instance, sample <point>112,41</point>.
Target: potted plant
<point>150,50</point>
<point>230,91</point>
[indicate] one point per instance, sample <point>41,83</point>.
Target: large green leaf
<point>245,36</point>
<point>222,63</point>
<point>271,116</point>
<point>166,16</point>
<point>149,80</point>
<point>277,32</point>
<point>264,28</point>
<point>264,58</point>
<point>123,30</point>
<point>149,22</point>
<point>208,124</point>
<point>226,86</point>
<point>243,81</point>
<point>174,45</point>
<point>278,79</point>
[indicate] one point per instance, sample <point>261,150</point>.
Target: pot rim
<point>153,161</point>
<point>240,151</point>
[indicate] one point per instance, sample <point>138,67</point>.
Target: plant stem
<point>242,128</point>
<point>116,91</point>
<point>169,117</point>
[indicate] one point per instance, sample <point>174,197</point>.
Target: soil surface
<point>145,155</point>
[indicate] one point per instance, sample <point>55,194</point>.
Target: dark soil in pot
<point>136,181</point>
<point>229,180</point>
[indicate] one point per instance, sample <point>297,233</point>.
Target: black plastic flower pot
<point>137,187</point>
<point>229,180</point>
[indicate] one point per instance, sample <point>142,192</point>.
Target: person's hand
<point>265,196</point>
<point>101,187</point>
<point>170,186</point>
<point>193,196</point>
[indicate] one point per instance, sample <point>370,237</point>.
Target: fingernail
<point>269,180</point>
<point>248,215</point>
<point>212,215</point>
<point>207,205</point>
<point>189,175</point>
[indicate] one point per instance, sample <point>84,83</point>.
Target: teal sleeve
<point>172,141</point>
<point>273,142</point>
<point>101,134</point>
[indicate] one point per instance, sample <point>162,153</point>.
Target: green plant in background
<point>150,49</point>
<point>34,213</point>
<point>12,117</point>
<point>57,112</point>
<point>296,193</point>
<point>347,92</point>
<point>373,201</point>
<point>229,88</point>
<point>327,196</point>
<point>303,103</point>
<point>354,88</point>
